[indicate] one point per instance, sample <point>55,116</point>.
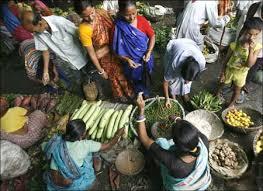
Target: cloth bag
<point>14,160</point>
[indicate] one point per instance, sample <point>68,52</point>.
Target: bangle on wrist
<point>100,73</point>
<point>141,120</point>
<point>177,118</point>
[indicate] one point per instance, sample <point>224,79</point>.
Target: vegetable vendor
<point>95,37</point>
<point>183,62</point>
<point>240,57</point>
<point>71,158</point>
<point>59,35</point>
<point>21,128</point>
<point>133,42</point>
<point>183,159</point>
<point>194,15</point>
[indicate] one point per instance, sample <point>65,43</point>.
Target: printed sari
<point>131,42</point>
<point>81,177</point>
<point>199,179</point>
<point>102,29</point>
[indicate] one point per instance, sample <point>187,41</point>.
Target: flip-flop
<point>241,98</point>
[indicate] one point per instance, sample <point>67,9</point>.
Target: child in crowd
<point>240,57</point>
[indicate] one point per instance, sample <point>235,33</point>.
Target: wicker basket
<point>255,115</point>
<point>90,90</point>
<point>130,162</point>
<point>227,173</point>
<point>148,102</point>
<point>258,134</point>
<point>214,129</point>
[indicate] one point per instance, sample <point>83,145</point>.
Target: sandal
<point>241,98</point>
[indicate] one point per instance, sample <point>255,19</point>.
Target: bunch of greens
<point>158,112</point>
<point>205,100</point>
<point>68,103</point>
<point>162,37</point>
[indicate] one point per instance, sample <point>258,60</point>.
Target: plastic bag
<point>216,33</point>
<point>14,160</point>
<point>211,58</point>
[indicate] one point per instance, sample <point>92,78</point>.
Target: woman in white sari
<point>183,62</point>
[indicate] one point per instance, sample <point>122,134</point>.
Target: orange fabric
<point>111,64</point>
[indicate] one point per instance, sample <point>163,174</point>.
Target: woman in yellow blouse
<point>95,33</point>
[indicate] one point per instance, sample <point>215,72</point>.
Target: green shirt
<point>239,57</point>
<point>78,150</point>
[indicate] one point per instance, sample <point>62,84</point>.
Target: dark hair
<point>37,18</point>
<point>253,23</point>
<point>185,137</point>
<point>75,130</point>
<point>124,4</point>
<point>190,69</point>
<point>80,5</point>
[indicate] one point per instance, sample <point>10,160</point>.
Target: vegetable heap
<point>158,112</point>
<point>224,156</point>
<point>232,24</point>
<point>162,37</point>
<point>68,103</point>
<point>208,50</point>
<point>259,144</point>
<point>60,12</point>
<point>205,100</point>
<point>238,118</point>
<point>102,123</point>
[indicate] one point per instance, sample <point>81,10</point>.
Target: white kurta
<point>194,15</point>
<point>177,51</point>
<point>63,41</point>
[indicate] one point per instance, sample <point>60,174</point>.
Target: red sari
<point>102,30</point>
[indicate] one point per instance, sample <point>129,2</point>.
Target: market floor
<point>14,80</point>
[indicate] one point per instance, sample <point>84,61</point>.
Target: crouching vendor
<point>71,158</point>
<point>20,127</point>
<point>183,159</point>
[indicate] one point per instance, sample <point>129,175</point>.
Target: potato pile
<point>224,156</point>
<point>238,118</point>
<point>259,144</point>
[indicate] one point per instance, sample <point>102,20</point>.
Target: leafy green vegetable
<point>162,37</point>
<point>205,100</point>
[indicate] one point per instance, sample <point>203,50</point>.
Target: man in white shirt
<point>59,35</point>
<point>194,15</point>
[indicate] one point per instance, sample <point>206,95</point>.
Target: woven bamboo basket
<point>256,138</point>
<point>148,103</point>
<point>255,115</point>
<point>225,172</point>
<point>207,123</point>
<point>130,162</point>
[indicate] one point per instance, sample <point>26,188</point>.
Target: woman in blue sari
<point>183,159</point>
<point>133,42</point>
<point>71,158</point>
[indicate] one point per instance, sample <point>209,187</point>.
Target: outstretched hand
<point>140,102</point>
